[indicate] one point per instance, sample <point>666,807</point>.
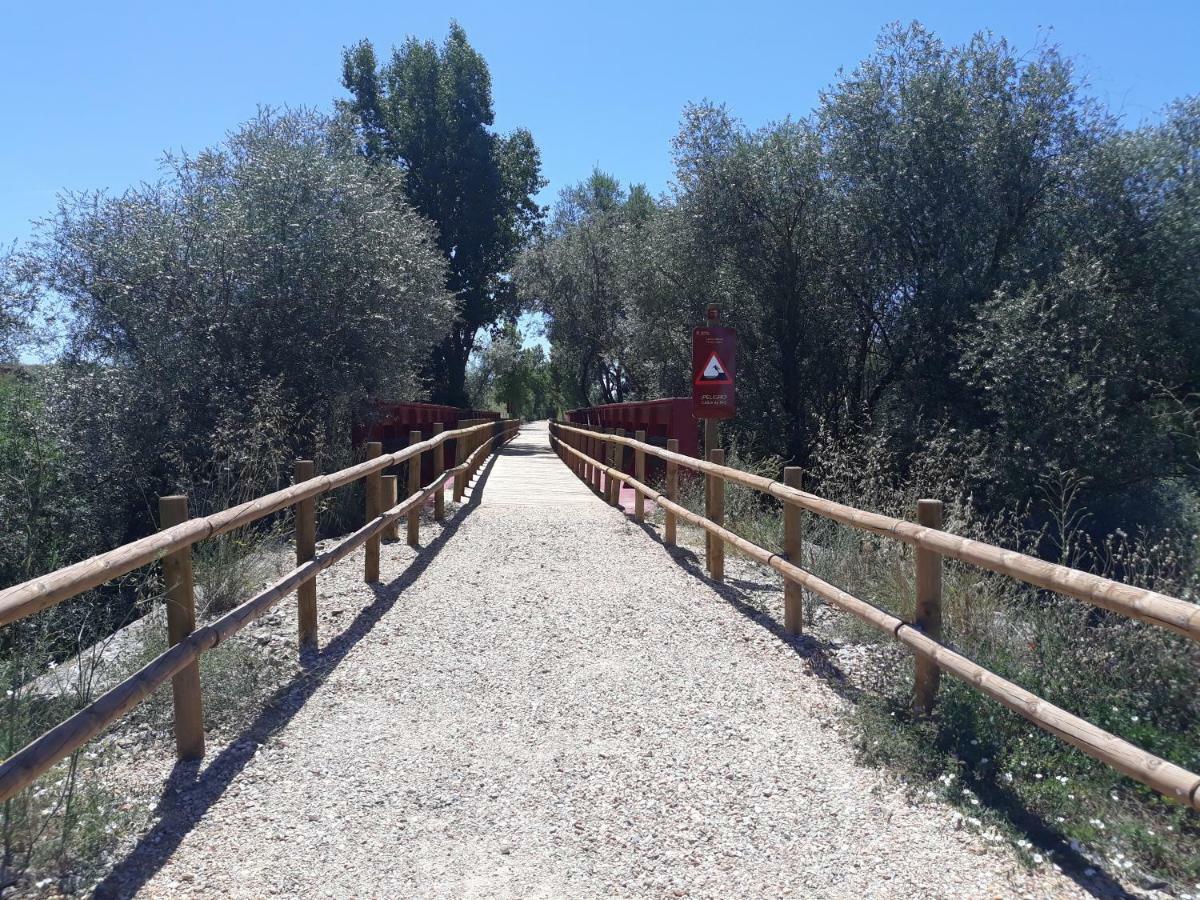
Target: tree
<point>580,276</point>
<point>517,377</point>
<point>17,303</point>
<point>429,112</point>
<point>955,171</point>
<point>262,288</point>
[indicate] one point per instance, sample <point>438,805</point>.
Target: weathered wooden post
<point>476,440</point>
<point>672,494</point>
<point>712,437</point>
<point>181,621</point>
<point>460,456</point>
<point>618,453</point>
<point>793,548</point>
<point>600,454</point>
<point>928,618</point>
<point>306,549</point>
<point>414,488</point>
<point>590,449</point>
<point>602,457</point>
<point>639,472</point>
<point>439,466</point>
<point>389,484</point>
<point>374,486</point>
<point>717,567</point>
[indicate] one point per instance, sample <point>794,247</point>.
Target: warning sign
<point>713,371</point>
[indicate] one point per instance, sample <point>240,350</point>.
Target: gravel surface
<point>545,701</point>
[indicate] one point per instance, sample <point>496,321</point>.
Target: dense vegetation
<point>955,243</point>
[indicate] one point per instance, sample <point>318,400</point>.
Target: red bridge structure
<point>670,417</point>
<point>390,422</point>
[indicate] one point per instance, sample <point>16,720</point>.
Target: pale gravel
<point>546,702</point>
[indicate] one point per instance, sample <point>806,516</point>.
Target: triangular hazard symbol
<point>713,371</point>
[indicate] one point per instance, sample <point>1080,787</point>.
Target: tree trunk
<point>447,370</point>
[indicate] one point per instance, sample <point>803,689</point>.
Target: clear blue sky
<point>94,92</point>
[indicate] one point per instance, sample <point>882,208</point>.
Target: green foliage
<point>955,242</point>
<point>258,293</point>
<point>428,111</point>
<point>580,275</point>
<point>518,378</point>
<point>1135,680</point>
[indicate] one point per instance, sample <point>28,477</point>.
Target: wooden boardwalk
<point>527,473</point>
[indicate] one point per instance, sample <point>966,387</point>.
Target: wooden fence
<point>172,545</point>
<point>592,455</point>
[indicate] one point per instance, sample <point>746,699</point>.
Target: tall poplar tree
<point>429,111</point>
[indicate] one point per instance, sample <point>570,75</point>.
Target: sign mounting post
<point>714,367</point>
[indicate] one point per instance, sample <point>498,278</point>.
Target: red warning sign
<point>714,362</point>
<point>713,371</point>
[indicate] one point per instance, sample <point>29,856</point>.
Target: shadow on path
<point>1037,830</point>
<point>192,788</point>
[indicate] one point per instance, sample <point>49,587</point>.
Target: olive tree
<point>262,287</point>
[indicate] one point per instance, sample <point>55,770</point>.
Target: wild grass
<point>1140,682</point>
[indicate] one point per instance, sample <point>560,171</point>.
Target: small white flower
<point>1037,858</point>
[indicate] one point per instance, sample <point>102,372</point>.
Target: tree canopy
<point>428,111</point>
<point>955,242</point>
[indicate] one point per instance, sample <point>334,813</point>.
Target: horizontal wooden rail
<point>24,766</point>
<point>1163,776</point>
<point>1145,605</point>
<point>45,591</point>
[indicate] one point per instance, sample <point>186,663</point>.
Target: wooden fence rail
<point>922,638</point>
<point>20,769</point>
<point>1137,603</point>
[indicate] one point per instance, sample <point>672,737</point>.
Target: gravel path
<point>544,701</point>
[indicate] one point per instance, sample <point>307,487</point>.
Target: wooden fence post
<point>717,566</point>
<point>712,437</point>
<point>672,494</point>
<point>928,618</point>
<point>639,472</point>
<point>439,466</point>
<point>793,548</point>
<point>414,488</point>
<point>602,458</point>
<point>181,621</point>
<point>374,487</point>
<point>595,452</point>
<point>306,549</point>
<point>618,453</point>
<point>600,445</point>
<point>460,456</point>
<point>476,440</point>
<point>389,485</point>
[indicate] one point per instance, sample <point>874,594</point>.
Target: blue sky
<point>92,93</point>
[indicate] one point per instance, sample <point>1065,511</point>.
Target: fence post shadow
<point>815,652</point>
